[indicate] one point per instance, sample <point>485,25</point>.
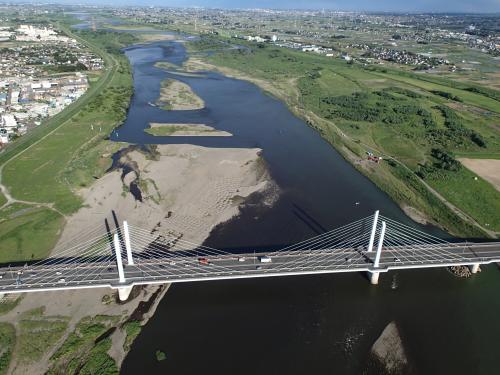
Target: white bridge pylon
<point>129,255</point>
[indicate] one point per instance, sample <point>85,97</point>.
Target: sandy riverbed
<point>198,187</point>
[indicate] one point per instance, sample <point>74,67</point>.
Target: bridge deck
<point>172,268</point>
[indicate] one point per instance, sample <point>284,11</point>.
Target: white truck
<point>265,259</point>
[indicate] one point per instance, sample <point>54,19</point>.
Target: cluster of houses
<point>28,91</point>
<point>24,103</point>
<point>34,51</point>
<point>399,56</point>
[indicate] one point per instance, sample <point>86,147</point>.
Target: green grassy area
<point>390,112</point>
<point>163,131</point>
<point>478,155</point>
<point>8,304</point>
<point>467,97</point>
<point>462,189</point>
<point>38,334</point>
<point>132,330</point>
<point>69,151</point>
<point>99,362</point>
<point>7,342</point>
<point>27,232</point>
<point>3,200</point>
<point>85,349</point>
<point>167,65</point>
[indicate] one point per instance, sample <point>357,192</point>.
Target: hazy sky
<point>482,6</point>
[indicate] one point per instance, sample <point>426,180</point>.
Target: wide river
<point>308,324</point>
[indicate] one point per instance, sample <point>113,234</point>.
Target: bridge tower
<point>374,231</point>
<point>374,275</point>
<point>123,292</point>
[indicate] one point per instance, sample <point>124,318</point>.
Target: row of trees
<point>443,162</point>
<point>456,130</point>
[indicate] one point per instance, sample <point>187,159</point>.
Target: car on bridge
<point>203,261</point>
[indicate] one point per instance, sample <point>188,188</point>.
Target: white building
<point>8,122</point>
<point>310,48</point>
<point>257,39</point>
<point>4,137</point>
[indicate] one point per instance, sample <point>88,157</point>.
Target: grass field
<point>45,168</point>
<point>392,113</point>
<point>37,334</point>
<point>9,303</point>
<point>28,233</point>
<point>463,190</point>
<point>7,342</point>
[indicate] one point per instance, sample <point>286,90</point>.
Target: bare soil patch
<point>489,169</point>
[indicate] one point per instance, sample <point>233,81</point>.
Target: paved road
<point>102,272</point>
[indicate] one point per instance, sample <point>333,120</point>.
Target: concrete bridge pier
<point>124,293</point>
<point>374,277</point>
<point>474,268</point>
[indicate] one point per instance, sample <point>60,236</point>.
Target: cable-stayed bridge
<point>129,256</point>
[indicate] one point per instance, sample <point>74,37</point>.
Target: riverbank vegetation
<point>85,349</point>
<point>37,334</point>
<point>44,169</point>
<point>400,116</point>
<point>7,342</point>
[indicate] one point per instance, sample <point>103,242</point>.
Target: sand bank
<point>388,349</point>
<point>192,130</point>
<point>177,96</point>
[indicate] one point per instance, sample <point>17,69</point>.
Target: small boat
<point>152,104</point>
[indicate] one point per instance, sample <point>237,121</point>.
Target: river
<point>297,325</point>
